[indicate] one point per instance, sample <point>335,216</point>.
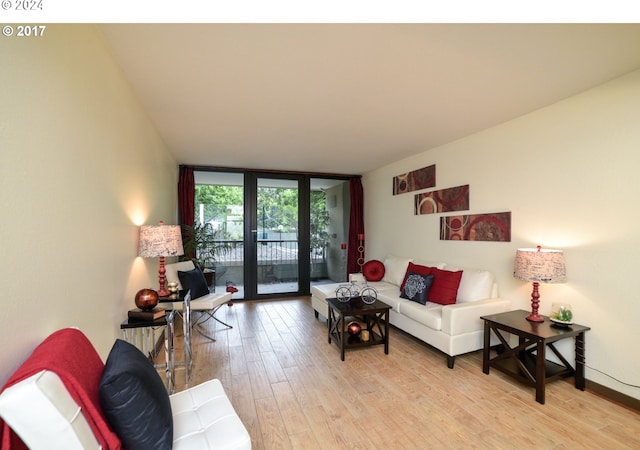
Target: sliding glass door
<point>276,251</point>
<point>273,234</point>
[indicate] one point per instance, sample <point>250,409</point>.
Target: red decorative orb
<point>146,299</point>
<point>354,328</point>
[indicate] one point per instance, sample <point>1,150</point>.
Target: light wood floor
<point>291,390</point>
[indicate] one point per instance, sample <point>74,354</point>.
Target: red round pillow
<point>373,270</point>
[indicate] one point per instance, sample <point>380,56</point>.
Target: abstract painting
<point>476,227</point>
<point>415,180</point>
<point>444,200</point>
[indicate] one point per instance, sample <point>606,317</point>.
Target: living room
<point>83,166</point>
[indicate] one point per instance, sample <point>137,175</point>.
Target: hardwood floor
<point>291,390</point>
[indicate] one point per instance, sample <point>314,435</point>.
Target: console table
<point>520,361</point>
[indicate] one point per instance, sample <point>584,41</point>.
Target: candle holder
<point>360,251</point>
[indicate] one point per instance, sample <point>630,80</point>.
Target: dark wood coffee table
<point>520,361</point>
<point>375,316</point>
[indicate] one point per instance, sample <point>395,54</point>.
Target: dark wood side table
<point>520,361</point>
<point>371,314</point>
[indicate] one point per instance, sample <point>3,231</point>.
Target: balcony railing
<point>277,259</point>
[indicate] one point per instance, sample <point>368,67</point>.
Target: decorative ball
<point>353,328</point>
<point>146,299</point>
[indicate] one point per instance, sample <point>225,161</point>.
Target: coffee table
<point>527,360</point>
<point>375,316</point>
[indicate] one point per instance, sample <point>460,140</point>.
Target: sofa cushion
<point>444,289</point>
<point>416,287</point>
<point>475,285</point>
<point>204,418</point>
<point>134,399</point>
<point>395,268</point>
<point>415,268</point>
<point>194,280</point>
<point>429,314</point>
<point>373,270</point>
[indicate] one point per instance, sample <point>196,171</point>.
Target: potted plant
<point>202,245</point>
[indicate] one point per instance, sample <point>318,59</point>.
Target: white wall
<point>81,168</point>
<point>569,175</point>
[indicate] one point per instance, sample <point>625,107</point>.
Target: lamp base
<point>535,302</point>
<point>535,318</point>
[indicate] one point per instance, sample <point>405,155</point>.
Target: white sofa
<point>453,329</point>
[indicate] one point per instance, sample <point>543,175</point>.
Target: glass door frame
<point>251,229</point>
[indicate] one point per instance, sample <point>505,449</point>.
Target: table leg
<point>386,332</point>
<point>540,371</point>
<point>485,350</point>
<point>330,320</point>
<point>580,383</point>
<point>169,353</point>
<point>342,334</point>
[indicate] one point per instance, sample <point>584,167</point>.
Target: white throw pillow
<point>395,267</point>
<point>475,285</point>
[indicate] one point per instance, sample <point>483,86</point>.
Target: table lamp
<point>160,241</point>
<point>539,265</point>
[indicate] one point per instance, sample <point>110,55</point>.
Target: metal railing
<point>270,251</point>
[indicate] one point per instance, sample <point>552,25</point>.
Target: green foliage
<point>278,210</point>
<point>202,244</point>
<point>319,222</point>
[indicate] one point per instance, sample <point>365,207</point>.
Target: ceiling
<point>349,98</point>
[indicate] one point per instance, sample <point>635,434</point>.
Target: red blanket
<point>73,358</point>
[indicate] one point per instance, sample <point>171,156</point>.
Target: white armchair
<point>64,397</point>
<point>206,305</point>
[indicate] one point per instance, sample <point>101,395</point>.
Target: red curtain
<point>186,200</point>
<point>186,196</point>
<point>356,224</point>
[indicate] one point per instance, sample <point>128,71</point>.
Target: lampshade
<point>541,265</point>
<point>160,240</point>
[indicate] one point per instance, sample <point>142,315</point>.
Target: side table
<point>167,323</point>
<point>520,361</point>
<point>372,314</point>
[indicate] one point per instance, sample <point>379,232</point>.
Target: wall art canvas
<point>444,200</point>
<point>414,181</point>
<point>476,227</point>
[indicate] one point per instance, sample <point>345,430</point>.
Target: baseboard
<point>613,395</point>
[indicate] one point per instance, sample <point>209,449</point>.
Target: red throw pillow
<point>444,289</point>
<point>373,270</point>
<point>415,268</point>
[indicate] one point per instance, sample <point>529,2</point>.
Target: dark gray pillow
<point>416,287</point>
<point>194,280</point>
<point>134,399</point>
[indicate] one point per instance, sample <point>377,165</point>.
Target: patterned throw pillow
<point>416,287</point>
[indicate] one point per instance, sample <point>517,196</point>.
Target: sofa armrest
<point>462,318</point>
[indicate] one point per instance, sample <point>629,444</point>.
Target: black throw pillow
<point>194,280</point>
<point>416,287</point>
<point>134,399</point>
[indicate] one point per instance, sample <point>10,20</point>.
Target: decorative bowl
<point>560,323</point>
<point>146,299</point>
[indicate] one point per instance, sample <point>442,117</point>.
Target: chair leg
<point>208,315</point>
<point>212,339</point>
